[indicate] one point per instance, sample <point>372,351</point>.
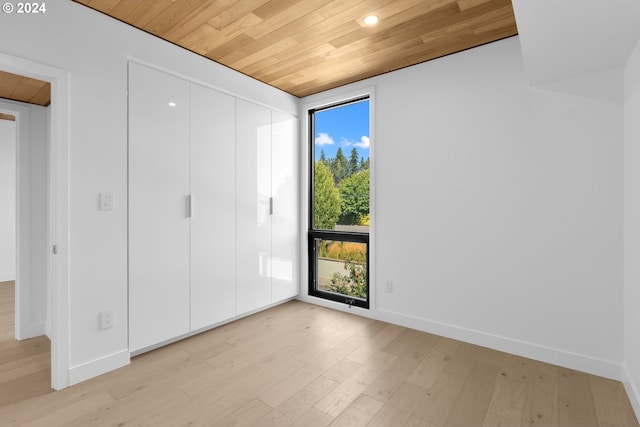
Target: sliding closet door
<point>253,200</point>
<point>158,207</point>
<point>213,287</point>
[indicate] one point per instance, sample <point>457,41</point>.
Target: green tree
<point>339,166</point>
<point>354,198</point>
<point>353,165</point>
<point>323,157</point>
<point>364,164</point>
<point>326,198</point>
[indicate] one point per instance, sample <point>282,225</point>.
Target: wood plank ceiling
<point>24,89</point>
<point>308,46</point>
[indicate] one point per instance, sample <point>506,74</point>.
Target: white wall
<point>632,228</point>
<point>498,208</point>
<point>95,50</point>
<point>7,200</point>
<point>569,38</point>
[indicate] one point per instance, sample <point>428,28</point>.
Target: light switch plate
<point>106,201</point>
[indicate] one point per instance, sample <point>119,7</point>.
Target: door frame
<point>58,211</point>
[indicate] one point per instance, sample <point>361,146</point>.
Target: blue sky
<point>345,127</point>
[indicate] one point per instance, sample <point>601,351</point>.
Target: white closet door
<point>284,158</point>
<point>158,211</point>
<point>253,193</point>
<point>213,288</point>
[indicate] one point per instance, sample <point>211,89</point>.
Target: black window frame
<point>334,235</point>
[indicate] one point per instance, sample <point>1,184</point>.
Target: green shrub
<point>354,283</point>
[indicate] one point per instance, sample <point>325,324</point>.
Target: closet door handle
<point>190,206</point>
<point>270,205</point>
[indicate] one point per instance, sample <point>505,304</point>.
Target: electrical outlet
<point>106,319</point>
<point>389,284</point>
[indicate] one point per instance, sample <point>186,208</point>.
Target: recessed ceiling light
<point>371,19</point>
<point>172,104</point>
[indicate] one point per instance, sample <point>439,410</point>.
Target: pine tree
<point>364,164</point>
<point>323,157</point>
<point>353,166</point>
<point>339,166</point>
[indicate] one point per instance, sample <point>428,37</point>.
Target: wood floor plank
<point>400,407</point>
<point>313,346</point>
<point>510,392</point>
<point>463,359</point>
<point>239,358</point>
<point>248,414</point>
<point>359,413</point>
<point>575,399</point>
<point>292,409</point>
<point>401,342</point>
<point>541,408</point>
<point>313,418</point>
<point>434,363</point>
<point>375,343</point>
<point>66,415</point>
<point>417,422</point>
<point>342,370</point>
<point>471,406</point>
<point>409,357</point>
<point>349,390</point>
<point>258,378</point>
<point>612,405</point>
<point>441,398</point>
<point>25,366</point>
<point>304,376</point>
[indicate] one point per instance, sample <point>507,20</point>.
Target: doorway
<point>25,348</point>
<point>56,216</point>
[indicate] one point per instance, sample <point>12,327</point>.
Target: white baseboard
<point>47,329</point>
<point>7,277</point>
<point>578,362</point>
<point>207,328</point>
<point>633,390</point>
<point>98,367</point>
<point>30,331</point>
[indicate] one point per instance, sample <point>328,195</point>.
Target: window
<point>339,202</point>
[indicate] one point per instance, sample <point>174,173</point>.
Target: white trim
<point>334,305</point>
<point>207,328</point>
<point>100,366</point>
<point>7,277</point>
<point>579,362</point>
<point>34,330</point>
<point>59,207</point>
<point>633,390</point>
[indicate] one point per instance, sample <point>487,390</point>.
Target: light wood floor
<point>298,364</point>
<point>25,366</point>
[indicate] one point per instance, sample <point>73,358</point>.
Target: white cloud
<point>364,143</point>
<point>324,139</point>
